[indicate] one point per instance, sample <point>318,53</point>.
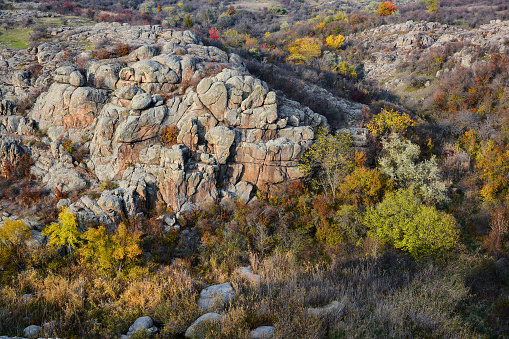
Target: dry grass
<point>86,305</point>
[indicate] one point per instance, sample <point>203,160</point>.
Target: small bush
<point>169,136</point>
<point>108,184</point>
<point>110,253</point>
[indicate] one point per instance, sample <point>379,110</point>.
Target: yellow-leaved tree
<point>389,120</point>
<point>335,42</point>
<point>305,50</point>
<point>13,237</point>
<point>110,253</point>
<point>64,232</point>
<point>492,163</point>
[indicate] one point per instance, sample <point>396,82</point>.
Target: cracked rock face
<point>173,122</point>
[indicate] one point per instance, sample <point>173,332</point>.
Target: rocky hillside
<point>411,59</point>
<point>173,121</point>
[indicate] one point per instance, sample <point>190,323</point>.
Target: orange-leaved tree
<point>492,162</point>
<point>386,8</point>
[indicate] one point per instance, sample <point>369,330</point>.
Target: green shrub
<point>399,163</point>
<point>412,227</point>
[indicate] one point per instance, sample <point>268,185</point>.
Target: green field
<point>15,38</point>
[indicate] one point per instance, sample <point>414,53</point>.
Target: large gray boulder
<point>216,296</point>
<point>141,101</point>
<point>32,331</point>
<point>198,328</point>
<point>263,332</point>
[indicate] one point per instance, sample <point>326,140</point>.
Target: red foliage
<point>322,204</point>
<point>121,49</point>
<point>231,10</point>
<point>104,17</point>
<point>214,33</point>
<point>59,195</point>
<point>386,8</point>
<point>29,195</point>
<point>499,232</point>
<point>15,171</point>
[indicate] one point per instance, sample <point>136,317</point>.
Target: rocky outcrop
<point>390,46</point>
<point>231,130</point>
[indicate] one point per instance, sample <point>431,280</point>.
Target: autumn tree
<point>328,160</point>
<point>335,42</point>
<point>110,253</point>
<point>420,230</point>
<point>386,8</point>
<point>147,7</point>
<point>432,5</point>
<point>342,225</point>
<point>64,232</point>
<point>389,120</point>
<point>305,50</point>
<point>492,163</point>
<point>13,237</point>
<point>364,186</point>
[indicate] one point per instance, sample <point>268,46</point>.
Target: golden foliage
<point>109,253</point>
<point>335,42</point>
<point>64,232</point>
<point>328,160</point>
<point>389,120</point>
<point>386,8</point>
<point>305,50</point>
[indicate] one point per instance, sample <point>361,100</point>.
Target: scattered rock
<point>63,203</point>
<point>247,273</point>
<point>263,332</point>
<point>32,331</point>
<point>216,295</point>
<point>333,307</point>
<point>197,329</point>
<point>142,323</point>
